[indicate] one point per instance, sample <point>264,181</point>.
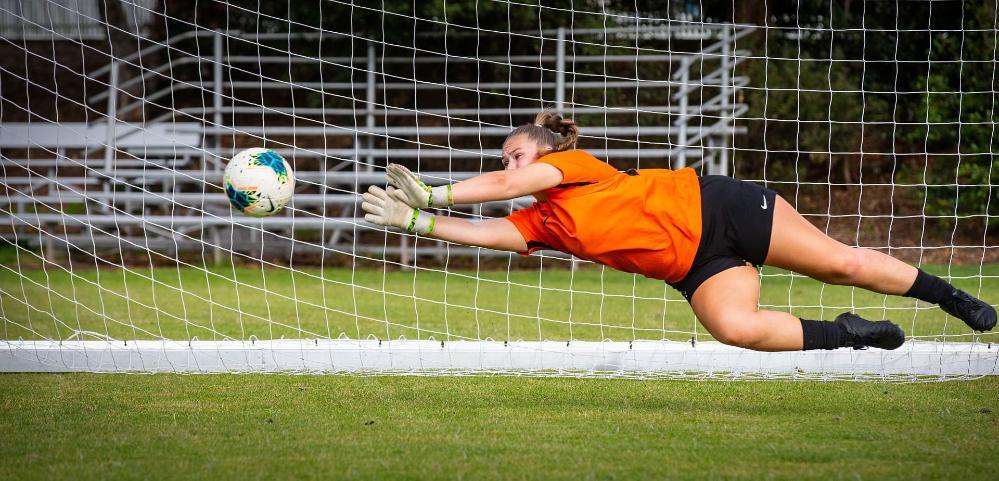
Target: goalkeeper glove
<point>387,207</point>
<point>415,193</point>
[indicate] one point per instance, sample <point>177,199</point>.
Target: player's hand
<point>414,192</point>
<point>383,207</point>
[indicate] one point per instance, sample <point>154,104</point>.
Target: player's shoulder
<point>575,163</point>
<point>571,155</point>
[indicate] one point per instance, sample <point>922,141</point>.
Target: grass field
<point>590,304</point>
<point>278,426</point>
<point>275,426</point>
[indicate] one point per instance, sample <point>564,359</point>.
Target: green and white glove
<point>416,193</point>
<point>387,207</point>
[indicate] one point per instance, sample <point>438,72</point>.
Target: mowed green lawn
<point>85,426</point>
<point>284,426</point>
<point>589,304</point>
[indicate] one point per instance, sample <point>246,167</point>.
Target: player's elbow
<point>489,238</point>
<point>498,234</point>
<point>505,186</point>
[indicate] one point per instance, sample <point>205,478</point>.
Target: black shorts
<point>736,220</point>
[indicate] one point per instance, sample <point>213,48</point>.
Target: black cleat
<point>864,333</point>
<point>974,312</point>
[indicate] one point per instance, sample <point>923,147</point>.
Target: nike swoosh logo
<point>764,203</point>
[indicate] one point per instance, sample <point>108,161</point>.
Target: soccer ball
<point>259,182</point>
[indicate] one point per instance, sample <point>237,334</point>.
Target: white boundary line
<point>636,359</point>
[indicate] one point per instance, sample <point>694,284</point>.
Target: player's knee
<point>845,267</point>
<point>741,335</point>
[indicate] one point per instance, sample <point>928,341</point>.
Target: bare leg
<point>726,304</point>
<point>797,245</point>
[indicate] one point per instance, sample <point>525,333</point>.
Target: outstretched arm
<point>507,184</point>
<point>499,234</point>
<point>490,186</point>
<point>387,207</point>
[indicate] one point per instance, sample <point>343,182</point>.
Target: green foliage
<point>964,190</point>
<point>958,109</point>
<point>906,104</point>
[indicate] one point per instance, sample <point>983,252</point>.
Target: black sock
<point>930,288</point>
<point>822,335</point>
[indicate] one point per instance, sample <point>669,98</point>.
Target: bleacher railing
<point>146,175</point>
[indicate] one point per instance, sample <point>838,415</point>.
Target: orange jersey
<point>646,221</point>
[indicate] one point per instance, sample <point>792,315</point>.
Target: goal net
<point>120,251</point>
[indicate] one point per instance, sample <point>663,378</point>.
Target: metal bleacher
<point>146,175</point>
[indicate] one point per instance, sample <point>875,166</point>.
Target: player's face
<point>519,151</point>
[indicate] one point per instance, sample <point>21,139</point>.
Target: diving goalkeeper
<point>705,236</point>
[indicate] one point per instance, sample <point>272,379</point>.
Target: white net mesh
<point>120,251</point>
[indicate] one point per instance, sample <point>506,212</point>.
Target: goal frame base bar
<point>577,358</point>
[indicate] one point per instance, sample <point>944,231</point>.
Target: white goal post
<point>119,251</point>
